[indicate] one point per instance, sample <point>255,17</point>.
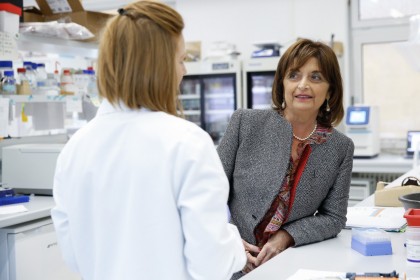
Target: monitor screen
<point>357,115</point>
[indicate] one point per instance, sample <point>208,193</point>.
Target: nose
<point>303,85</point>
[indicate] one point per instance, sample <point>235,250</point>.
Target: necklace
<point>306,138</point>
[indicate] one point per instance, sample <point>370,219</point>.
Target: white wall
<point>244,22</point>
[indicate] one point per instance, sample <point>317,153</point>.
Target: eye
<point>293,75</point>
<point>316,77</point>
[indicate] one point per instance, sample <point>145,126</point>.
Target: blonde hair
<point>136,64</point>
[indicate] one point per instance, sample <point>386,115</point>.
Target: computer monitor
<point>413,137</point>
<point>358,115</point>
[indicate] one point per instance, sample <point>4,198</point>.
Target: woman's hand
<point>251,252</point>
<point>277,243</point>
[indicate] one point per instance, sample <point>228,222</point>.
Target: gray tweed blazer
<point>255,153</point>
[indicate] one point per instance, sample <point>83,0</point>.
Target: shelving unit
<point>58,46</point>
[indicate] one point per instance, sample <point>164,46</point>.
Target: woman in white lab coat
<point>141,193</point>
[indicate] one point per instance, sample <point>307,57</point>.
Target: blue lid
<point>34,66</point>
<point>6,64</point>
<point>27,63</point>
<point>8,73</point>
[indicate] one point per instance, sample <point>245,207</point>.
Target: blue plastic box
<point>371,241</point>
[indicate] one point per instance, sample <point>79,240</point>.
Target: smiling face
<point>305,89</point>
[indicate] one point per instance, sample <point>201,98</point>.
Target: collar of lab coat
<point>108,108</point>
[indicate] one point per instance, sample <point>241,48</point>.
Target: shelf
<point>58,46</point>
<point>219,95</point>
<point>219,112</point>
<point>189,96</point>
<point>40,98</point>
<point>192,112</point>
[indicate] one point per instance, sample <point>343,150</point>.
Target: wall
<point>244,22</point>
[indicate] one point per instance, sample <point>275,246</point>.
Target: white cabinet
<point>30,252</point>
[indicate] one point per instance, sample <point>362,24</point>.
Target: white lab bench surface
<point>336,254</point>
<point>38,207</point>
<point>29,244</point>
<point>383,163</point>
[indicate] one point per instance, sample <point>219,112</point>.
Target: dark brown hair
<point>294,58</point>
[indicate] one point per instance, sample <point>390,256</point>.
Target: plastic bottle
<point>22,82</point>
<point>8,84</point>
<point>66,83</point>
<point>92,88</point>
<point>41,75</point>
<point>30,73</point>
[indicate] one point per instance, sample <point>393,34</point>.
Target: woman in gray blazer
<point>289,169</point>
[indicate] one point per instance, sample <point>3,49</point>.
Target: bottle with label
<point>22,83</point>
<point>30,73</point>
<point>8,84</point>
<point>92,88</point>
<point>66,83</point>
<point>41,75</point>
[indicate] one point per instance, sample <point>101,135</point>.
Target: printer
<point>29,168</point>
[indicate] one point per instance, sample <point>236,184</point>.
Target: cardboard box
<point>9,18</point>
<point>71,10</point>
<point>17,3</point>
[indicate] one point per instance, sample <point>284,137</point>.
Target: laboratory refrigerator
<point>258,77</point>
<point>29,251</point>
<point>210,93</point>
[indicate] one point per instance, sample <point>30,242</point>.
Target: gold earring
<point>328,107</point>
<point>283,105</point>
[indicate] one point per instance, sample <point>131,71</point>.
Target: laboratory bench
<point>368,171</point>
<point>336,254</point>
<point>38,207</point>
<point>383,163</point>
<point>29,244</point>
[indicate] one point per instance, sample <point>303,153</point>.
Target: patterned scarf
<point>279,210</point>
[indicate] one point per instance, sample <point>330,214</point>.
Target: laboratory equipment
<point>371,241</point>
<point>362,126</point>
<point>258,77</point>
<point>30,251</point>
<point>29,168</point>
<point>268,49</point>
<point>210,93</point>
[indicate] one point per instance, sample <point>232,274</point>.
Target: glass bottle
<point>8,84</point>
<point>22,83</point>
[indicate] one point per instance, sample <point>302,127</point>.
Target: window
<point>386,65</point>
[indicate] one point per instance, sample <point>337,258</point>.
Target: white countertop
<point>38,207</point>
<point>336,254</point>
<point>384,163</point>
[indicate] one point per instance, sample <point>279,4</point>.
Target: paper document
<point>308,274</point>
<point>386,218</point>
<point>12,209</point>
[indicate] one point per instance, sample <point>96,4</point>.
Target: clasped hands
<point>256,256</point>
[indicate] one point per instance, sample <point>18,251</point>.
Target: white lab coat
<point>142,195</point>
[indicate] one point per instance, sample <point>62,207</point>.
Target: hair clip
<point>122,12</point>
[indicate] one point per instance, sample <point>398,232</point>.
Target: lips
<point>303,96</point>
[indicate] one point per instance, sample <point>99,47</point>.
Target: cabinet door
<point>34,255</point>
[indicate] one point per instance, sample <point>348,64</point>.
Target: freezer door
<point>190,98</point>
<point>259,87</point>
<point>219,103</point>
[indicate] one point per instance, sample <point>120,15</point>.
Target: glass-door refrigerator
<point>258,77</point>
<point>210,93</point>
